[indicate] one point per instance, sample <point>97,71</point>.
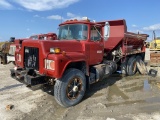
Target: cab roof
<point>78,21</point>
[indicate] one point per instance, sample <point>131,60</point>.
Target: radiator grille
<point>31,57</point>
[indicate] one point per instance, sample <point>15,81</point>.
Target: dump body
<point>131,43</point>
<point>84,53</point>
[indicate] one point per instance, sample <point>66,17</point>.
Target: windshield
<point>40,37</point>
<point>73,31</point>
<point>35,37</point>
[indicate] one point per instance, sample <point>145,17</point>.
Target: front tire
<point>70,89</point>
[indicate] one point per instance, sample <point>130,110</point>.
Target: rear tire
<point>124,66</point>
<point>70,89</point>
<point>131,66</point>
<point>138,58</point>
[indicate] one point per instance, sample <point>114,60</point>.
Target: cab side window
<point>95,33</point>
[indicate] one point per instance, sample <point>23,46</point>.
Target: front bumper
<point>28,77</point>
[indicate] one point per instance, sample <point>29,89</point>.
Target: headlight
<point>55,50</point>
<point>49,64</point>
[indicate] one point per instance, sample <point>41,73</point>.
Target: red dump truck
<point>10,47</point>
<point>85,52</point>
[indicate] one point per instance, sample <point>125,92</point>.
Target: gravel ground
<point>115,98</point>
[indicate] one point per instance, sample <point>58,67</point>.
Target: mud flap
<point>31,80</point>
<point>141,67</point>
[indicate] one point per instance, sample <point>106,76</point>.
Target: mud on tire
<point>70,89</point>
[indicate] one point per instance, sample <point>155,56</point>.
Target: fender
<point>63,61</point>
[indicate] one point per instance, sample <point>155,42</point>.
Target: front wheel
<point>70,89</point>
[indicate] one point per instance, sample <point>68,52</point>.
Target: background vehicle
<point>4,50</point>
<point>85,52</point>
<point>48,36</point>
<point>9,48</point>
<point>155,43</point>
<point>155,51</point>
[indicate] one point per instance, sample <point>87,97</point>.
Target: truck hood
<point>64,45</point>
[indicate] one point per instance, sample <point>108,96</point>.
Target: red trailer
<point>84,53</point>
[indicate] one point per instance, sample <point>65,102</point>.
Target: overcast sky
<point>22,18</point>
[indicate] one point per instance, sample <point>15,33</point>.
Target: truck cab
<point>88,34</point>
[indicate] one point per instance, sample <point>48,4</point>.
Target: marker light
<point>55,50</point>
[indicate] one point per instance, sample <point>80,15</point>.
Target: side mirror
<point>106,31</point>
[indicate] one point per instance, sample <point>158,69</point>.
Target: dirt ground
<point>116,98</point>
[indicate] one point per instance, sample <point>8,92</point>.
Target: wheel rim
<point>74,88</point>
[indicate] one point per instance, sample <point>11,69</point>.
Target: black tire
<point>138,57</point>
<point>131,66</point>
<point>124,66</point>
<point>70,89</point>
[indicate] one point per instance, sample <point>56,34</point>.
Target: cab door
<point>96,45</point>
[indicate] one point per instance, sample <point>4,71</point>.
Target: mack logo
<point>26,50</point>
<point>31,61</point>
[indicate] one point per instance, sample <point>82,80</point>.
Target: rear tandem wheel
<point>131,66</point>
